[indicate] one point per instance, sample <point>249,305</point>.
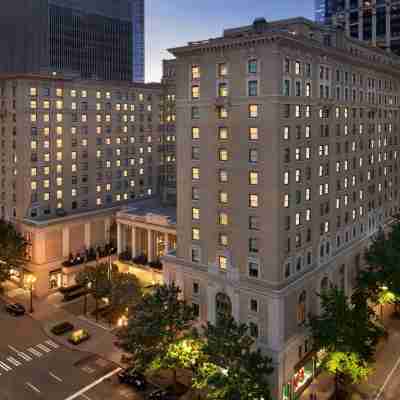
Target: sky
<point>171,23</point>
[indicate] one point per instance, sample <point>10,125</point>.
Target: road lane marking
<point>57,378</point>
<point>20,353</point>
<point>5,366</point>
<point>93,384</point>
<point>34,388</point>
<point>44,348</point>
<point>13,361</point>
<point>387,379</point>
<point>52,344</point>
<point>34,352</point>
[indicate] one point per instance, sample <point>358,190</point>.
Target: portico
<point>146,232</point>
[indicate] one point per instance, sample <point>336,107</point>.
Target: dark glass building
<point>376,22</point>
<point>93,38</point>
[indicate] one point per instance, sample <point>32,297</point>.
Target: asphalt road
<point>32,366</point>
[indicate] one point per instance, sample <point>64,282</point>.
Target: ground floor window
<point>55,279</point>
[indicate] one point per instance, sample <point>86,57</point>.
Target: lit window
<point>222,262</point>
<point>73,168</point>
<point>195,213</point>
<point>223,133</point>
<point>222,112</point>
<point>223,218</point>
<point>59,104</point>
<point>59,181</point>
<point>33,104</point>
<point>297,218</point>
<point>195,173</point>
<point>253,133</point>
<point>46,104</point>
<point>223,197</point>
<point>33,171</point>
<point>223,176</point>
<point>222,69</point>
<point>46,196</point>
<point>253,178</point>
<point>195,92</point>
<point>195,234</point>
<point>59,117</point>
<point>308,214</point>
<point>223,155</point>
<point>73,93</point>
<point>253,200</point>
<point>33,185</point>
<point>286,178</point>
<point>59,194</point>
<point>98,201</point>
<point>253,110</point>
<point>223,239</point>
<point>73,192</point>
<point>286,200</point>
<point>222,89</point>
<point>195,72</point>
<point>33,91</point>
<point>84,93</point>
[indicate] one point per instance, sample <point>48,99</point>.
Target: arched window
<point>301,308</point>
<point>223,306</point>
<point>324,284</point>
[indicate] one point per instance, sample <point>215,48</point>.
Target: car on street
<point>15,309</point>
<point>161,394</point>
<point>78,336</point>
<point>62,328</point>
<point>132,378</point>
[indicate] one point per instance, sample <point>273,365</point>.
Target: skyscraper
<point>376,22</point>
<point>93,38</point>
<point>138,40</point>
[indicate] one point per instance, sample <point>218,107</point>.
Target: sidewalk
<point>49,311</point>
<point>388,352</point>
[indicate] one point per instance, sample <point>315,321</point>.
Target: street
<point>33,366</point>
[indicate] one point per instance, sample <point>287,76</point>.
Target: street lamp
<point>122,321</point>
<point>30,280</point>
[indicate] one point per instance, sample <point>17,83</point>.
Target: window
<point>222,112</point>
<point>252,88</point>
<point>222,69</point>
<point>223,218</point>
<point>253,269</point>
<point>254,222</point>
<point>301,308</point>
<point>223,133</point>
<point>222,89</point>
<point>195,213</point>
<point>253,133</point>
<point>195,173</point>
<point>223,197</point>
<point>223,155</point>
<point>252,66</point>
<point>253,178</point>
<point>253,111</point>
<point>223,239</point>
<point>253,329</point>
<point>195,193</point>
<point>223,176</point>
<point>195,72</point>
<point>253,200</point>
<point>253,155</point>
<point>253,245</point>
<point>195,92</point>
<point>195,234</point>
<point>195,112</point>
<point>195,133</point>
<point>222,262</point>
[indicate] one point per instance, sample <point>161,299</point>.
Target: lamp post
<point>89,285</point>
<point>31,279</point>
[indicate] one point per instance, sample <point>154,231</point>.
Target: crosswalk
<point>17,357</point>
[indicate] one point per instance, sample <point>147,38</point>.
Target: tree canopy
<point>232,367</point>
<point>156,322</point>
<point>12,249</point>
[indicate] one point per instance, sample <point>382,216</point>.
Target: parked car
<point>15,309</point>
<point>78,336</point>
<point>62,328</point>
<point>133,378</point>
<point>161,394</point>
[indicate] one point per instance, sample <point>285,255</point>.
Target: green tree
<point>124,291</point>
<point>13,248</point>
<point>348,331</point>
<point>233,368</point>
<point>97,278</point>
<point>381,278</point>
<point>154,323</point>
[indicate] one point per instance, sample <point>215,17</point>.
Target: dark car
<point>62,328</point>
<point>161,394</point>
<point>15,309</point>
<point>133,378</point>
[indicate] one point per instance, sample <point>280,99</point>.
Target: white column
<point>276,316</point>
<point>65,242</point>
<point>133,241</point>
<point>119,239</point>
<point>107,226</point>
<point>211,294</point>
<point>234,296</point>
<point>39,249</point>
<point>166,244</point>
<point>149,245</point>
<point>87,235</point>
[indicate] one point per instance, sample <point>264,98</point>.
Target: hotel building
<point>73,152</point>
<point>287,162</point>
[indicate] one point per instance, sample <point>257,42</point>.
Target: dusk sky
<point>171,23</point>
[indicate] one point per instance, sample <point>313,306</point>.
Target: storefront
<point>305,371</point>
<point>55,279</point>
